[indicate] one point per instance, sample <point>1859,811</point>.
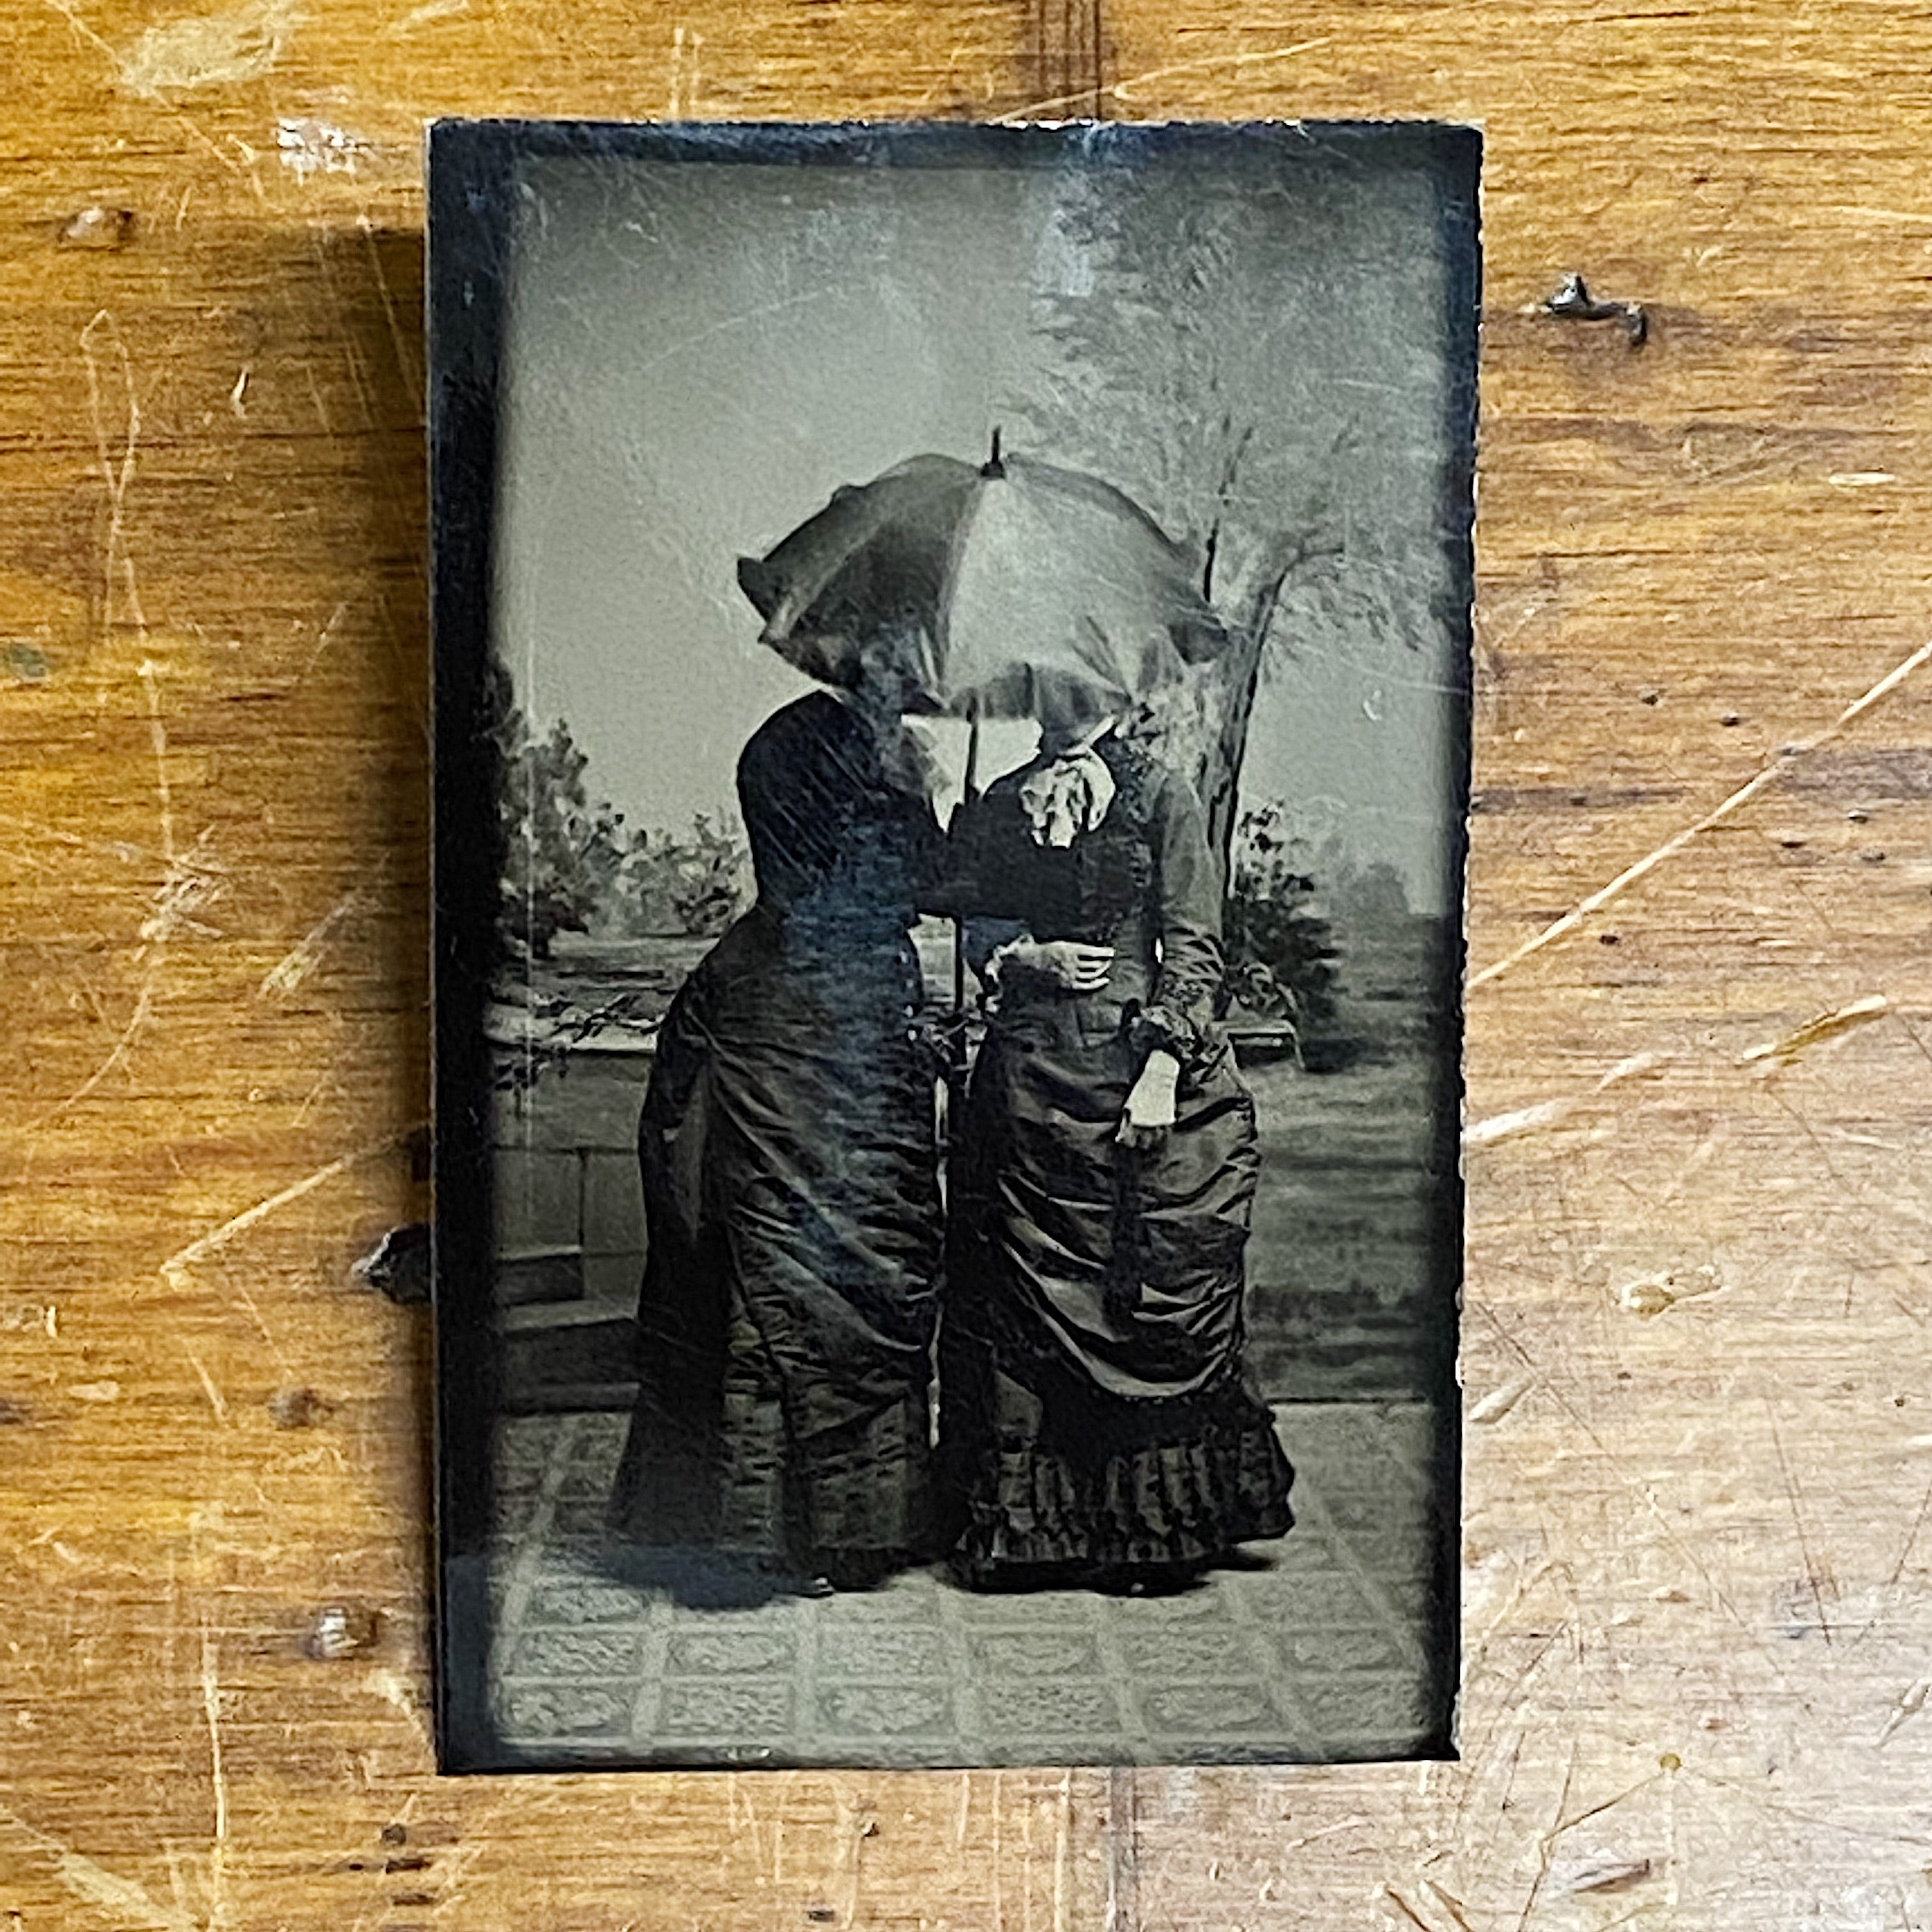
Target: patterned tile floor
<point>1320,1656</point>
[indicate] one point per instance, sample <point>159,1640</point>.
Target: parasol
<point>980,587</point>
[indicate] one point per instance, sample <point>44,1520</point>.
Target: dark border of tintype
<point>473,168</point>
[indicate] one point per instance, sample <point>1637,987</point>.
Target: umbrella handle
<point>968,792</point>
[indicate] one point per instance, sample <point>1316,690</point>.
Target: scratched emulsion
<point>1698,1541</point>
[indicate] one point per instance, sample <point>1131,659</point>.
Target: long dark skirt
<point>1096,1412</point>
<point>792,1204</point>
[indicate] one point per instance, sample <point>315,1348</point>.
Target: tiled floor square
<point>1216,1709</point>
<point>1319,1650</point>
<point>584,1651</point>
<point>1067,1706</point>
<point>528,1713</point>
<point>1216,1649</point>
<point>887,1710</point>
<point>885,1653</point>
<point>725,1709</point>
<point>728,1652</point>
<point>997,1655</point>
<point>1389,1701</point>
<point>578,1601</point>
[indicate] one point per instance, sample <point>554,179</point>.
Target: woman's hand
<point>1150,1111</point>
<point>1067,963</point>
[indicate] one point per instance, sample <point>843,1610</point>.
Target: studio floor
<point>1323,1654</point>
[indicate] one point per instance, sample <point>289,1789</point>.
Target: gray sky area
<point>699,352</point>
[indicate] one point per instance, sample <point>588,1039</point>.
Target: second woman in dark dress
<point>1097,1422</point>
<point>789,1152</point>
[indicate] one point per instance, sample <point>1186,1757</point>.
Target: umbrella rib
<point>949,579</point>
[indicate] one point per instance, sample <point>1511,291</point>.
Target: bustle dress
<point>789,1151</point>
<point>1097,1418</point>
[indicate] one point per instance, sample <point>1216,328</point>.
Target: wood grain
<point>1698,1479</point>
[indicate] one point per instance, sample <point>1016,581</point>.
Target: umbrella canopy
<point>983,586</point>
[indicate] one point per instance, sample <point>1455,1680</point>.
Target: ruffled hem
<point>1155,1505</point>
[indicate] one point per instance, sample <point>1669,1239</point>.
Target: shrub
<point>1280,950</point>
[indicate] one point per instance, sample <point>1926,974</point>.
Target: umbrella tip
<point>994,466</point>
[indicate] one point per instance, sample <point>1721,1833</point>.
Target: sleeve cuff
<point>1167,1029</point>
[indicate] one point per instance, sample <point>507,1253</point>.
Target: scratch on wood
<point>1605,1871</point>
<point>1124,92</point>
<point>406,358</point>
<point>1814,1578</point>
<point>1124,1906</point>
<point>1645,1495</point>
<point>158,737</point>
<point>430,10</point>
<point>143,1007</point>
<point>117,849</point>
<point>1911,1702</point>
<point>192,882</point>
<point>289,972</point>
<point>1348,1824</point>
<point>684,44</point>
<point>1062,1827</point>
<point>243,168</point>
<point>1547,1113</point>
<point>1451,1904</point>
<point>395,1691</point>
<point>211,50</point>
<point>999,1903</point>
<point>1499,1401</point>
<point>220,1911</point>
<point>1786,1051</point>
<point>1407,1910</point>
<point>120,1899</point>
<point>175,1269</point>
<point>1761,782</point>
<point>213,1394</point>
<point>118,565</point>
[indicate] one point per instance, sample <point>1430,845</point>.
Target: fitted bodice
<point>1141,881</point>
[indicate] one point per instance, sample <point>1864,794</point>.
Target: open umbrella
<point>980,585</point>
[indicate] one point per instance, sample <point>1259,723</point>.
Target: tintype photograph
<point>952,653</point>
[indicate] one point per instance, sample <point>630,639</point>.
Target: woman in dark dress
<point>1097,1423</point>
<point>791,1189</point>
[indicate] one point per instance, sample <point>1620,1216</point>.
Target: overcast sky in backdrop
<point>699,353</point>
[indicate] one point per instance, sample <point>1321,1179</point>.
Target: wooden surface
<point>1698,1622</point>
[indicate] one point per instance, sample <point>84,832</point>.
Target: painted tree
<point>562,851</point>
<point>1239,360</point>
<point>569,862</point>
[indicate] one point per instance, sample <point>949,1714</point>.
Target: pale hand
<point>1150,1111</point>
<point>1069,963</point>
